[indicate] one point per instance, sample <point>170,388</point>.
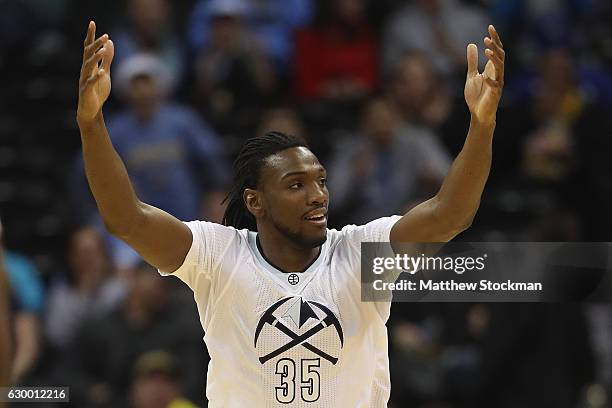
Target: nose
<point>318,195</point>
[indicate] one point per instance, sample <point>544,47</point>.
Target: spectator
<point>233,76</point>
<point>281,119</point>
<point>419,338</point>
<point>95,289</point>
<point>337,59</point>
<point>439,28</point>
<point>289,121</point>
<point>420,96</point>
<point>169,152</point>
<point>425,98</point>
<point>403,164</point>
<point>175,162</point>
<point>27,300</point>
<point>556,105</point>
<point>148,29</point>
<point>156,382</point>
<point>562,157</point>
<point>482,355</point>
<point>271,23</point>
<point>539,154</point>
<point>149,319</point>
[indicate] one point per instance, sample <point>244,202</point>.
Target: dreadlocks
<point>247,171</point>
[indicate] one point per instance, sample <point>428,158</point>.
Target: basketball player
<point>277,292</point>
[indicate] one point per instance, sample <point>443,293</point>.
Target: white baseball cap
<point>144,64</point>
<point>231,8</point>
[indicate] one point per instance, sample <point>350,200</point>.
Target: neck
<point>285,254</point>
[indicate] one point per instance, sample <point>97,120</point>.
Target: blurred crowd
<point>376,87</point>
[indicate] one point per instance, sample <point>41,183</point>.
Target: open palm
<point>483,90</point>
<point>95,80</point>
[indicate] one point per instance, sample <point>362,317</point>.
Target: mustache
<point>319,207</point>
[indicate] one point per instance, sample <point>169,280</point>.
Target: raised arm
<point>162,240</point>
<point>452,210</point>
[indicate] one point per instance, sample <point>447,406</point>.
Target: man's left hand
<point>483,90</point>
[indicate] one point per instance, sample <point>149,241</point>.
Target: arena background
<point>377,89</point>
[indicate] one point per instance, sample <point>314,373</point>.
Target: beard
<point>299,239</point>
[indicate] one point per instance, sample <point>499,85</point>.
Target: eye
<point>323,181</point>
<point>296,186</point>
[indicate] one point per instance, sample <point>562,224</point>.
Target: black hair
<point>247,172</point>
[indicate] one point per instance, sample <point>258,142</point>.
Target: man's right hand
<point>95,80</point>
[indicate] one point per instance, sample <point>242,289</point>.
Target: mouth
<point>317,217</point>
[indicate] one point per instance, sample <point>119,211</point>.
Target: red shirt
<point>324,55</point>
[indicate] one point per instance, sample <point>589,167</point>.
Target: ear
<point>253,202</point>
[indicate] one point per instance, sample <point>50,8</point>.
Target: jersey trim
<point>260,250</point>
<point>281,277</point>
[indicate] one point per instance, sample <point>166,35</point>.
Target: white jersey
<point>288,339</point>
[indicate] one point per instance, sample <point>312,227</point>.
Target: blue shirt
<point>272,23</point>
<point>171,159</point>
<point>27,293</point>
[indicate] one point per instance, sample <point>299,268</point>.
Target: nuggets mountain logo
<point>297,336</point>
<point>297,314</point>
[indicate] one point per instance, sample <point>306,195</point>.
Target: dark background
<point>377,104</point>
